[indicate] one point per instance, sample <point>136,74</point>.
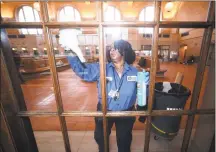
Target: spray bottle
<point>142,82</point>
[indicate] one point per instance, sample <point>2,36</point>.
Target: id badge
<point>112,93</point>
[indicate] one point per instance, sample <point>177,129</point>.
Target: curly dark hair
<point>125,50</point>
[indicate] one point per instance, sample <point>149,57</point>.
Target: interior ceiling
<point>180,10</point>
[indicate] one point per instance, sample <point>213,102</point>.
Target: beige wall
<point>192,11</point>
<point>194,41</point>
<point>137,40</point>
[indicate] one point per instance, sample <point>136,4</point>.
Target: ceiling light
<point>34,49</point>
<point>45,48</point>
<point>87,2</point>
<point>55,48</point>
<point>169,6</point>
<point>86,48</point>
<point>23,49</point>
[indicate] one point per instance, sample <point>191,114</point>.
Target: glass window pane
<point>88,39</point>
<point>81,39</point>
<point>32,31</point>
<point>148,30</point>
<point>61,15</point>
<point>149,13</point>
<point>37,17</point>
<point>33,69</point>
<point>28,13</point>
<point>77,15</point>
<point>78,86</point>
<point>141,16</point>
<point>40,31</point>
<point>109,14</point>
<point>95,40</point>
<point>24,31</point>
<point>117,15</point>
<point>68,13</point>
<point>21,16</point>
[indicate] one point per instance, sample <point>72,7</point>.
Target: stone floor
<point>83,141</point>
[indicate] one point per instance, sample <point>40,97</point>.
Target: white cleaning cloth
<point>166,87</point>
<point>68,39</point>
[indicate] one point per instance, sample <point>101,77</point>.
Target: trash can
<point>168,126</point>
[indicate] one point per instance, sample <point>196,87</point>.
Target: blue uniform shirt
<point>127,82</point>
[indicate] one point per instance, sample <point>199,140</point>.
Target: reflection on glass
<point>33,69</point>
<point>77,92</point>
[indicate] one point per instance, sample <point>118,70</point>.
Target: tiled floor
<point>78,95</point>
<point>83,141</point>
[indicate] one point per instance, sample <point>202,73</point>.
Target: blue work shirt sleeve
<point>87,72</point>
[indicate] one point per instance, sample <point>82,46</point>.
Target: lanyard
<point>120,83</point>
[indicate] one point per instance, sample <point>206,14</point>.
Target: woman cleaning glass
<point>121,85</point>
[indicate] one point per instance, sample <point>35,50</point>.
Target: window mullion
<point>154,60</point>
<point>64,11</point>
<point>24,19</point>
<point>34,19</point>
<point>74,15</point>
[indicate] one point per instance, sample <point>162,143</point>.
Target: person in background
<point>121,88</point>
<point>17,60</point>
<point>190,59</point>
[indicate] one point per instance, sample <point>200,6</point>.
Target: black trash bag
<point>174,99</point>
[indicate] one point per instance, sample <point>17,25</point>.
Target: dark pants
<point>124,126</point>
